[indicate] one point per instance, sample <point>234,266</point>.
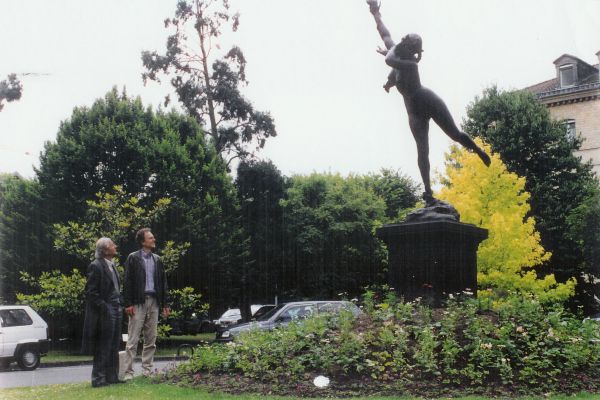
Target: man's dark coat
<point>98,290</point>
<point>135,280</point>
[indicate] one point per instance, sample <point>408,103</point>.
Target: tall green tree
<point>536,147</point>
<point>398,190</point>
<point>207,86</point>
<point>10,90</point>
<point>261,187</point>
<point>119,141</point>
<point>25,244</point>
<point>331,247</point>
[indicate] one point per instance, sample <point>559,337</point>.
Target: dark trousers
<point>106,355</point>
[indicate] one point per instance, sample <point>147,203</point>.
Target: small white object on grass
<point>321,381</point>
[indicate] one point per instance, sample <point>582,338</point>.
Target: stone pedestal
<point>432,259</point>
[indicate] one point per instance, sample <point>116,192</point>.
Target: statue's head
<point>412,44</point>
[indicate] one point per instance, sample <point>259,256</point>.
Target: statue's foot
<point>429,199</point>
<point>484,157</point>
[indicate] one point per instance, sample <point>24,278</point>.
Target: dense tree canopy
<point>397,190</point>
<point>209,87</point>
<point>495,199</point>
<point>261,187</point>
<point>151,155</point>
<point>534,146</point>
<point>24,240</point>
<point>330,224</point>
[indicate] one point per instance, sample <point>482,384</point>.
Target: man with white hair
<point>103,315</point>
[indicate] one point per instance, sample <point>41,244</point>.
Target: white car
<point>23,337</point>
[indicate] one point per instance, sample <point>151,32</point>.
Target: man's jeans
<point>146,318</point>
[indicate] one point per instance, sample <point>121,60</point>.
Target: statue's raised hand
<point>373,6</point>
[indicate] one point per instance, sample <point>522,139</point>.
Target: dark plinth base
<point>432,259</point>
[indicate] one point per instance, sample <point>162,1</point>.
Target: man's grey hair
<point>101,246</point>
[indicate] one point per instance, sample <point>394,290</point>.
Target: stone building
<point>573,95</point>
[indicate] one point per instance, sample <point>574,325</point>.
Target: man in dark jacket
<point>103,315</point>
<point>145,293</point>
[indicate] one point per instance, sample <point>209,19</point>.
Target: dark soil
<point>365,386</point>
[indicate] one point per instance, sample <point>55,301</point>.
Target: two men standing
<point>144,293</point>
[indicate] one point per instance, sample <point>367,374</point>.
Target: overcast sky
<point>311,63</point>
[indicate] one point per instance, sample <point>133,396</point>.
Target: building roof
<point>587,78</point>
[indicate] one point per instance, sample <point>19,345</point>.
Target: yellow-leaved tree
<point>495,199</point>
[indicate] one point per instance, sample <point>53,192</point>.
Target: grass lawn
<point>141,388</point>
<point>164,348</point>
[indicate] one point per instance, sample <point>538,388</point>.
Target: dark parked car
<point>233,316</point>
<point>191,326</point>
<point>285,313</point>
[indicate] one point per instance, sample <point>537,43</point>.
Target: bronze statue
<point>421,103</point>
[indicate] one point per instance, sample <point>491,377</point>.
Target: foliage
<point>10,89</point>
<point>186,305</point>
<point>261,187</point>
<point>59,298</point>
<point>59,294</point>
<point>495,199</point>
<point>329,223</point>
<point>23,238</point>
<point>209,88</point>
<point>523,347</point>
<point>151,155</point>
<point>399,191</point>
<point>117,216</point>
<point>584,222</point>
<point>537,148</point>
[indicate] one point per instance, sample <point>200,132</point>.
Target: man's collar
<point>145,253</point>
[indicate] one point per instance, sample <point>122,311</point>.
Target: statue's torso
<point>407,79</point>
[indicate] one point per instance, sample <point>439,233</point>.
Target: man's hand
<point>373,6</point>
<point>166,311</point>
<point>130,311</point>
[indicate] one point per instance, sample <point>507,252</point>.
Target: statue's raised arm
<point>381,28</point>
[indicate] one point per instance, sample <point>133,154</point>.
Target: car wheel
<point>185,350</point>
<point>4,364</point>
<point>28,359</point>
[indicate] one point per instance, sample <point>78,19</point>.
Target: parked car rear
<point>285,313</point>
<point>23,337</point>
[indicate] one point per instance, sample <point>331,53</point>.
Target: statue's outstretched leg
<point>419,127</point>
<point>442,117</point>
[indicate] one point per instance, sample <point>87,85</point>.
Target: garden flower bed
<point>397,347</point>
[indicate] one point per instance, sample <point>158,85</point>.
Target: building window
<point>567,75</point>
<point>570,125</point>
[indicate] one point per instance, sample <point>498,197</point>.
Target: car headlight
<point>225,334</point>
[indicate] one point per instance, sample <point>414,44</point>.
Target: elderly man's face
<point>111,250</point>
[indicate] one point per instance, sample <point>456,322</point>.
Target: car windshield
<point>269,314</point>
<point>232,312</point>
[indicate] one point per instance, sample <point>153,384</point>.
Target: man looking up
<point>103,314</point>
<point>145,292</point>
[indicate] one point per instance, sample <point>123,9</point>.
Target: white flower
<point>321,381</point>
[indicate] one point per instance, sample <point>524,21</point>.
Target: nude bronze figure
<point>422,104</point>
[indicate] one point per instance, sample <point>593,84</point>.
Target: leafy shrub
<point>523,344</point>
